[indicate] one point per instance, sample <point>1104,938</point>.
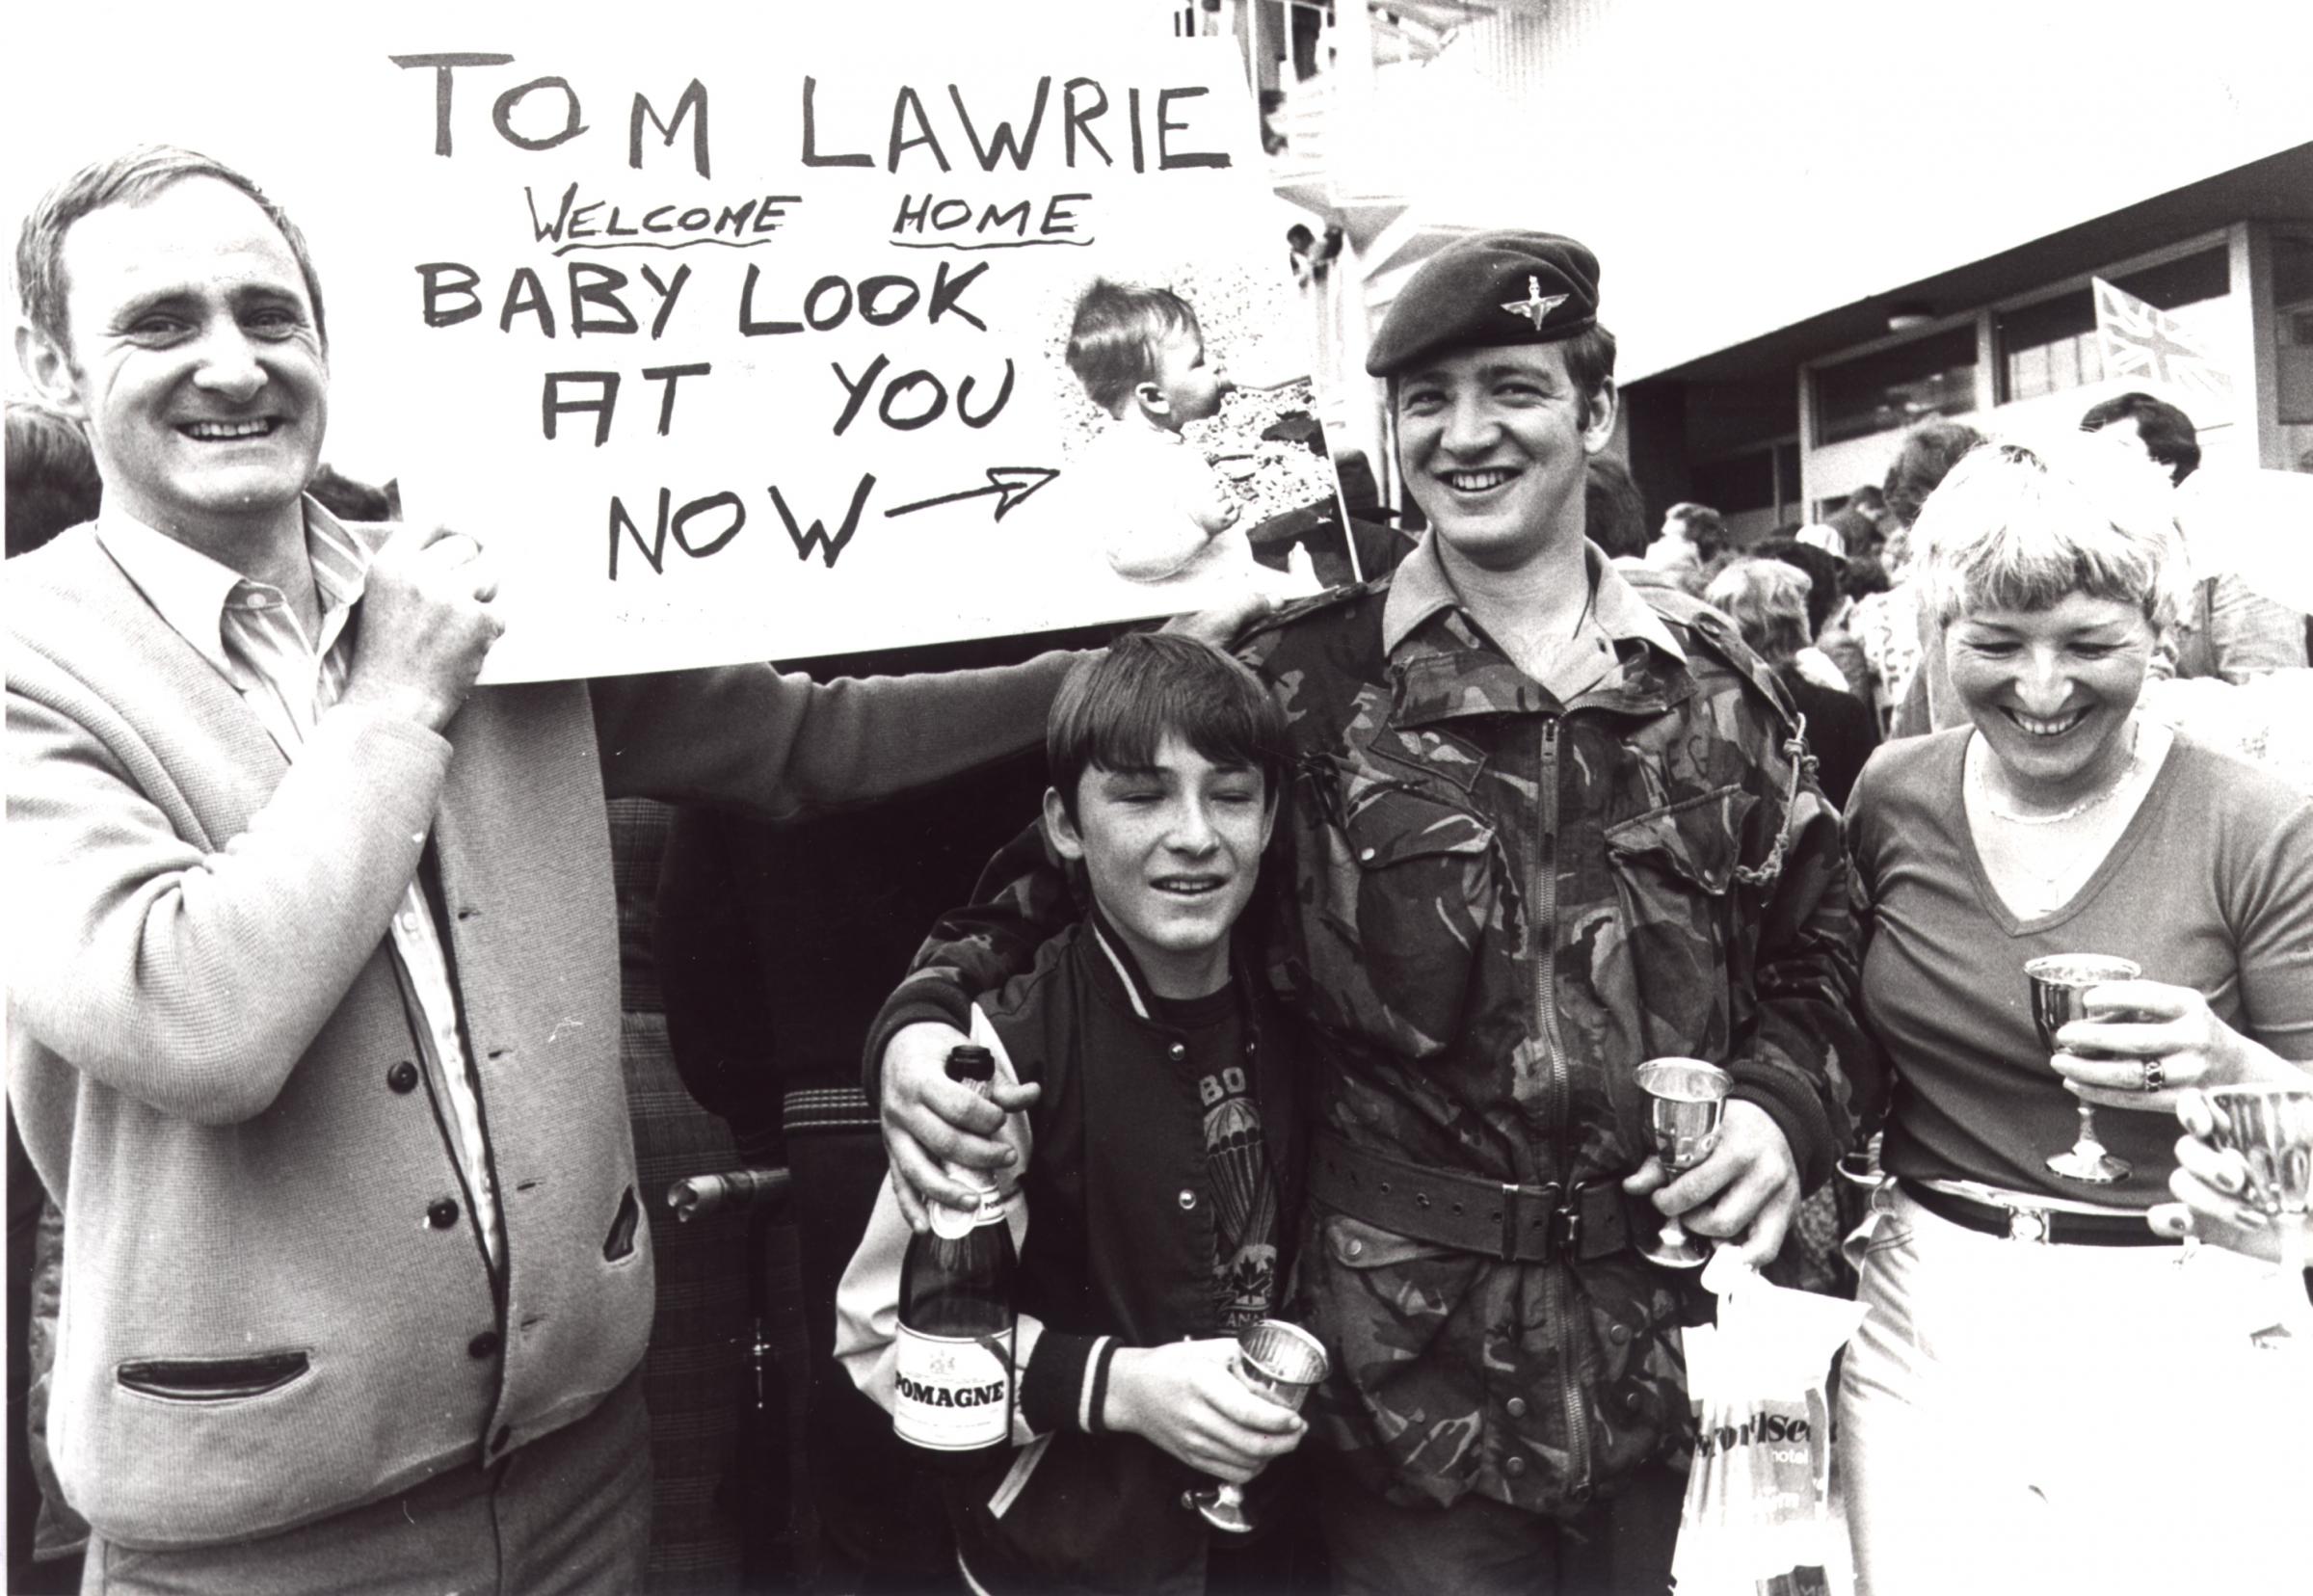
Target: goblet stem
<point>2086,1159</point>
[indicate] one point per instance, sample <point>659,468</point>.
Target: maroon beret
<point>1489,288</point>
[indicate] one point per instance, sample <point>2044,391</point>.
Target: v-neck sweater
<point>2210,886</point>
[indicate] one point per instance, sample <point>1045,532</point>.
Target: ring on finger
<point>2156,1075</point>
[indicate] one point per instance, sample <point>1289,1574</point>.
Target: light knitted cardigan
<point>205,1025</point>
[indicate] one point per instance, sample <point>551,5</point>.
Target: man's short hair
<point>2167,433</point>
<point>1116,340</point>
<point>1116,707</point>
<point>1926,454</point>
<point>1867,498</point>
<point>1702,527</point>
<point>1767,599</point>
<point>1614,513</point>
<point>52,480</point>
<point>2013,528</point>
<point>130,179</point>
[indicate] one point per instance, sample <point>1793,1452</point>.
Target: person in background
<point>1614,513</point>
<point>2227,630</point>
<point>1862,523</point>
<point>1767,598</point>
<point>1690,547</point>
<point>52,480</point>
<point>1832,658</point>
<point>1889,626</point>
<point>2027,1330</point>
<point>52,484</point>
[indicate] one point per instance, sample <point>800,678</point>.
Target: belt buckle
<point>2027,1224</point>
<point>1513,1197</point>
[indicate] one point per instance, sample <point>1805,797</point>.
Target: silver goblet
<point>2272,1129</point>
<point>1283,1363</point>
<point>1686,1100</point>
<point>2059,982</point>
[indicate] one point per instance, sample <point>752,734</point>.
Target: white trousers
<point>2020,1416</point>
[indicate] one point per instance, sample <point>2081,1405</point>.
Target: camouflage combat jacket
<point>1492,907</point>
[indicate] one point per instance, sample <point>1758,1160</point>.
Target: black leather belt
<point>2024,1222</point>
<point>1518,1224</point>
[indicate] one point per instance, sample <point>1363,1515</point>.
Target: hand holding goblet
<point>1687,1102</point>
<point>1283,1363</point>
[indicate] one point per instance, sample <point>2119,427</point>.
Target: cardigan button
<point>483,1346</point>
<point>443,1214</point>
<point>1188,1199</point>
<point>403,1076</point>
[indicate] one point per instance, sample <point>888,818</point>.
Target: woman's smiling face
<point>2051,690</point>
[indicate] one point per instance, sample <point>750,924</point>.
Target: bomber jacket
<point>1495,906</point>
<point>1114,1217</point>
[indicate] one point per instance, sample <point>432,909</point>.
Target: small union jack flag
<point>2144,342</point>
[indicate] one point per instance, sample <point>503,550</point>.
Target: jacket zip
<point>1545,988</point>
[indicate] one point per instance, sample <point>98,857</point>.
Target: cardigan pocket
<point>231,1379</point>
<point>619,1244</point>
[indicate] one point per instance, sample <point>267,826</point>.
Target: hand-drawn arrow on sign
<point>1011,484</point>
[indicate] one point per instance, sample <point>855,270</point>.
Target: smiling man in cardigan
<point>314,1006</point>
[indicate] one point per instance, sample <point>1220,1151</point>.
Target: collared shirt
<point>1592,657</point>
<point>250,632</point>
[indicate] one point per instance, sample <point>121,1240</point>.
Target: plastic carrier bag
<point>1760,1519</point>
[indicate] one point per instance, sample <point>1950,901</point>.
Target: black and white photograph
<point>1268,797</point>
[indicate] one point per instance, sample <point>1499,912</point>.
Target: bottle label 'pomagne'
<point>950,1394</point>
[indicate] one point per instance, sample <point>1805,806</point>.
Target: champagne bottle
<point>955,1388</point>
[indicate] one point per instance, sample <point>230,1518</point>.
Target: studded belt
<point>2023,1223</point>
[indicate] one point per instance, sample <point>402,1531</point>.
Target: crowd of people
<point>1318,985</point>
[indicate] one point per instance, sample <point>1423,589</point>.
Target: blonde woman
<point>2023,1367</point>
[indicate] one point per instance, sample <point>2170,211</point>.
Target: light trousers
<point>2015,1416</point>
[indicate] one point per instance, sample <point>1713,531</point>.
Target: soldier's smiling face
<point>1493,442</point>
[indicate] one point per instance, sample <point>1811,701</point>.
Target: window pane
<point>1731,487</point>
<point>1886,391</point>
<point>2049,345</point>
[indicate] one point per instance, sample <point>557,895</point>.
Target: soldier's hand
<point>1745,1191</point>
<point>1186,1398</point>
<point>929,1119</point>
<point>426,626</point>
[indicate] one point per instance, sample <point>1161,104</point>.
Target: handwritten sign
<point>756,353</point>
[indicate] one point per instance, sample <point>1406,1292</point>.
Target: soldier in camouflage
<point>1542,829</point>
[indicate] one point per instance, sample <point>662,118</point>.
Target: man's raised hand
<point>426,626</point>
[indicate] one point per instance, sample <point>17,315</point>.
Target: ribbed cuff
<point>1066,1382</point>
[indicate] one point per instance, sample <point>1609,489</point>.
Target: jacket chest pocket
<point>1404,896</point>
<point>1678,895</point>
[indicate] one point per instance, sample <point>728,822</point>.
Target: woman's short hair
<point>1767,601</point>
<point>2019,529</point>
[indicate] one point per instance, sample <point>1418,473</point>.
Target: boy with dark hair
<point>1157,1149</point>
<point>1164,514</point>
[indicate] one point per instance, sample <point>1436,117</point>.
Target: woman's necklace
<point>2094,800</point>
